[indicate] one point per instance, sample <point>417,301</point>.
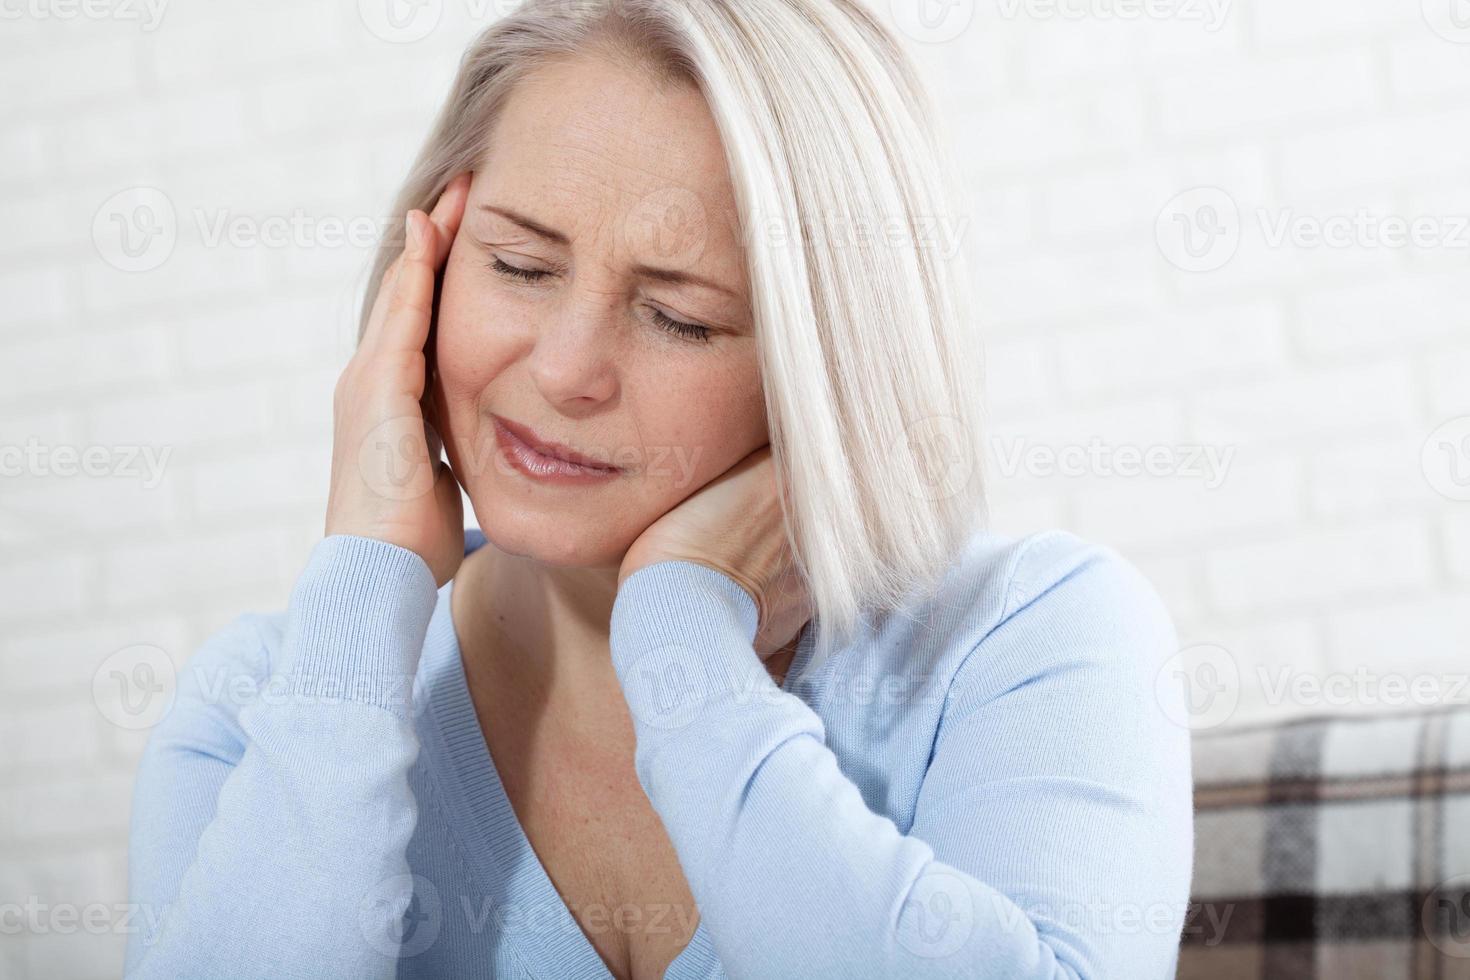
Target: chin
<point>552,539</point>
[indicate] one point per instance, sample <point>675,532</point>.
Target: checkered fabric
<point>1335,847</point>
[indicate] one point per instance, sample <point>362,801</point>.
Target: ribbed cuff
<point>358,615</point>
<point>681,637</point>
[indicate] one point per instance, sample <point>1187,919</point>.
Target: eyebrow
<point>673,276</point>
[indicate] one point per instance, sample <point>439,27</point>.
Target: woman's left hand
<point>734,525</point>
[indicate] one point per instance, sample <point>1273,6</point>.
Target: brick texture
<point>1182,241</point>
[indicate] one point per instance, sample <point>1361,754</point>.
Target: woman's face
<point>596,294</point>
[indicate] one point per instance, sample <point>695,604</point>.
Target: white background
<point>1332,546</point>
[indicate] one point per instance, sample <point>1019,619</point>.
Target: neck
<point>540,628</point>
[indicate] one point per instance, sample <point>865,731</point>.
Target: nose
<point>574,361</point>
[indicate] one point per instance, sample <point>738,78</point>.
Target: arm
<point>1053,832</point>
<point>272,809</point>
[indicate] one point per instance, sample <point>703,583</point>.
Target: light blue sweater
<point>988,786</point>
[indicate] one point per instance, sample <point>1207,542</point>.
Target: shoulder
<point>1013,607</point>
<point>1052,602</point>
<point>1046,576</point>
<point>1056,575</point>
<point>1027,567</point>
<point>1073,652</point>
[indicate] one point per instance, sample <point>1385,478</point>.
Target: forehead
<point>605,154</point>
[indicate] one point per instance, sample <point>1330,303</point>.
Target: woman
<point>732,682</point>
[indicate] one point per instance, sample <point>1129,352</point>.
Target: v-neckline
<point>500,852</point>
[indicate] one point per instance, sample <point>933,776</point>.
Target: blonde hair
<point>870,363</point>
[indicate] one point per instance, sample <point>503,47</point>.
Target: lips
<point>554,450</point>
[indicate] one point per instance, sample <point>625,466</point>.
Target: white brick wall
<point>1329,546</point>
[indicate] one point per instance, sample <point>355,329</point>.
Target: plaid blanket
<point>1332,847</point>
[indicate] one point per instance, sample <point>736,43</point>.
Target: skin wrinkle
<point>739,320</point>
<point>537,231</point>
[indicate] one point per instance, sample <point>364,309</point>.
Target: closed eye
<point>691,331</point>
<point>515,272</point>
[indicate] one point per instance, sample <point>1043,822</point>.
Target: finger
<point>380,302</point>
<point>448,212</point>
<point>430,412</point>
<point>409,296</point>
<point>404,327</point>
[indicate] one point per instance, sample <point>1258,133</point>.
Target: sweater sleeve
<point>1052,835</point>
<point>271,809</point>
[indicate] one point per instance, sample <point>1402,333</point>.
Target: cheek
<point>703,424</point>
<point>690,413</point>
<point>469,350</point>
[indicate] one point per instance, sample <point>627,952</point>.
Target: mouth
<point>542,459</point>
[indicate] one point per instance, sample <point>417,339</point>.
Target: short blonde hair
<point>870,363</point>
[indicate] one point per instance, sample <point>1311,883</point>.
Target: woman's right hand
<point>388,480</point>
